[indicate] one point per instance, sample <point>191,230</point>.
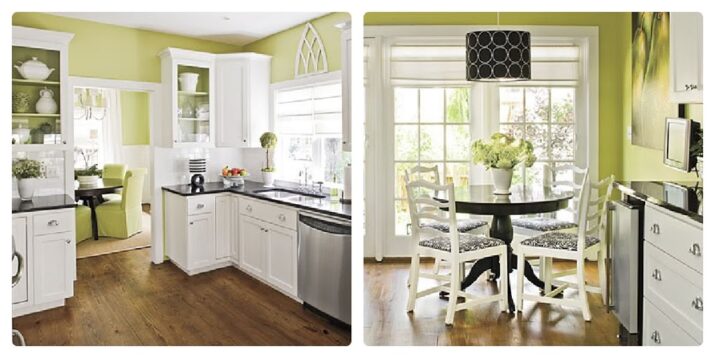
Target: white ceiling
<point>231,28</point>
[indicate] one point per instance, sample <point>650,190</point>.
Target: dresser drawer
<point>676,235</point>
<point>674,288</point>
<point>659,330</point>
<point>274,214</point>
<point>200,204</point>
<point>53,222</point>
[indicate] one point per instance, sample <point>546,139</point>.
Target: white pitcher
<point>46,104</point>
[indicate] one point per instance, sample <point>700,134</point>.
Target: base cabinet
<point>282,255</point>
<point>252,250</point>
<point>52,265</point>
<point>227,227</point>
<point>202,241</point>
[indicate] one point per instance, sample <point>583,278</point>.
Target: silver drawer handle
<point>655,228</point>
<point>69,241</point>
<point>697,303</point>
<point>200,206</point>
<point>249,208</point>
<point>53,223</point>
<point>655,336</point>
<point>695,250</point>
<point>282,217</point>
<point>656,275</point>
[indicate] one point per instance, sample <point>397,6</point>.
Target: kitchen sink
<point>280,193</point>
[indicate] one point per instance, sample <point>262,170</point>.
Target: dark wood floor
<point>387,323</point>
<point>123,299</point>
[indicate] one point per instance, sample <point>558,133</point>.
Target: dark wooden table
<point>481,200</point>
<point>91,195</point>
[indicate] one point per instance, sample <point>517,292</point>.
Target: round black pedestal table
<point>523,200</point>
<point>91,195</point>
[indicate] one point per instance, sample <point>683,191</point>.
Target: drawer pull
<point>656,275</point>
<point>282,217</point>
<point>53,223</point>
<point>249,208</point>
<point>69,241</point>
<point>655,229</point>
<point>695,250</point>
<point>697,303</point>
<point>200,206</point>
<point>655,337</point>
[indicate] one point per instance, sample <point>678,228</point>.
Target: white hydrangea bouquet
<point>501,153</point>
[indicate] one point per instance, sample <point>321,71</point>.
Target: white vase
<point>188,81</point>
<point>87,180</point>
<point>26,188</point>
<point>502,180</point>
<point>46,104</point>
<point>268,178</point>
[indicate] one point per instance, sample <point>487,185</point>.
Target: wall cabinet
<point>686,57</point>
<point>243,81</point>
<point>48,241</point>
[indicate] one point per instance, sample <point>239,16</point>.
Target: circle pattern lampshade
<point>498,55</point>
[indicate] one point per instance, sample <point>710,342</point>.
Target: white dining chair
<point>452,247</point>
<point>588,239</point>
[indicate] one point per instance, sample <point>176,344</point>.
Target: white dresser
<point>673,278</point>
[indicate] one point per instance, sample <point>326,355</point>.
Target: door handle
<point>656,275</point>
<point>20,267</point>
<point>68,241</point>
<point>53,222</point>
<point>697,303</point>
<point>655,228</point>
<point>695,250</point>
<point>200,206</point>
<point>655,337</point>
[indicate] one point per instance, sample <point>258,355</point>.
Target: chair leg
<point>413,281</point>
<point>546,272</point>
<point>503,289</point>
<point>520,264</point>
<point>453,293</point>
<point>581,280</point>
<point>602,279</point>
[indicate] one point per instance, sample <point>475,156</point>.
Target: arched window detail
<point>310,58</point>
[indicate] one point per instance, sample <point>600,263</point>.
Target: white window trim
<point>379,133</point>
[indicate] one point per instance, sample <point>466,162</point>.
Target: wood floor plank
<point>123,299</point>
<point>387,322</point>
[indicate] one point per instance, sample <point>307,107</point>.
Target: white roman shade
<point>444,63</point>
<point>309,110</point>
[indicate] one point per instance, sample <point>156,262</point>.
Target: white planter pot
<point>268,178</point>
<point>26,188</point>
<point>87,179</point>
<point>502,180</point>
<point>188,81</point>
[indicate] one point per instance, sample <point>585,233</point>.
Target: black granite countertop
<point>324,206</point>
<point>681,197</point>
<point>39,203</point>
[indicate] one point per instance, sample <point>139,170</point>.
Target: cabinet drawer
<point>200,204</point>
<point>675,289</point>
<point>274,214</point>
<point>54,222</point>
<point>659,330</point>
<point>674,235</point>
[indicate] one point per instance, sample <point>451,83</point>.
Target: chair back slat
<point>593,209</point>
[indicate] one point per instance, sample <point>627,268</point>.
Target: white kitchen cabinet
<point>53,266</point>
<point>202,241</point>
<point>282,258</point>
<point>227,227</point>
<point>243,81</point>
<point>187,124</point>
<point>686,57</point>
<point>19,236</point>
<point>253,245</point>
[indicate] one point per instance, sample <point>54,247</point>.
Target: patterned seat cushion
<point>542,224</point>
<point>463,226</point>
<point>558,240</point>
<point>467,242</point>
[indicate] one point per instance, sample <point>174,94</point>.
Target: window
<point>308,122</point>
<point>545,116</point>
<point>90,110</point>
<point>431,128</point>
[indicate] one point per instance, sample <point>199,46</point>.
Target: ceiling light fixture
<point>498,55</point>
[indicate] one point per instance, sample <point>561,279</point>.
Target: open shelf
<point>19,81</point>
<point>36,115</point>
<point>186,93</point>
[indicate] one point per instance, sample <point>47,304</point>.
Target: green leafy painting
<point>650,102</point>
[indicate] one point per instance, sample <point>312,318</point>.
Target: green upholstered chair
<point>113,171</point>
<point>122,218</point>
<point>83,223</point>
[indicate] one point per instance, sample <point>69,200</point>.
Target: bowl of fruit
<point>233,176</point>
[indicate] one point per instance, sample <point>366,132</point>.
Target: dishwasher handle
<point>20,264</point>
<point>326,226</point>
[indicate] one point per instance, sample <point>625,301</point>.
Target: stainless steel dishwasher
<point>324,264</point>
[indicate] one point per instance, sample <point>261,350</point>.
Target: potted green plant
<point>500,154</point>
<point>26,171</point>
<point>89,175</point>
<point>268,142</point>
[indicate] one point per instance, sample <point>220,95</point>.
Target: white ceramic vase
<point>188,81</point>
<point>268,178</point>
<point>87,180</point>
<point>46,104</point>
<point>26,188</point>
<point>502,180</point>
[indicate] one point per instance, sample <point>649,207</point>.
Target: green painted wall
<point>115,52</point>
<point>283,46</point>
<point>135,117</point>
<point>614,45</point>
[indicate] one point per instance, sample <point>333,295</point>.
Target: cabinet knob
<point>697,303</point>
<point>282,217</point>
<point>200,206</point>
<point>249,208</point>
<point>655,337</point>
<point>695,250</point>
<point>68,241</point>
<point>191,223</point>
<point>655,228</point>
<point>656,275</point>
<point>64,142</point>
<point>53,223</point>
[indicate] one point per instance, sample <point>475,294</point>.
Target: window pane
<point>515,130</point>
<point>400,168</point>
<point>458,173</point>
<point>535,174</point>
<point>431,105</point>
<point>406,105</point>
<point>537,104</point>
<point>562,105</point>
<point>431,142</point>
<point>562,142</point>
<point>402,217</point>
<point>332,160</point>
<point>300,148</point>
<point>457,105</point>
<point>538,135</point>
<point>511,106</point>
<point>406,142</point>
<point>458,142</point>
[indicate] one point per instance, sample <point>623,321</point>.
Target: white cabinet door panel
<point>253,248</point>
<point>686,57</point>
<point>202,241</point>
<point>282,258</point>
<point>52,266</point>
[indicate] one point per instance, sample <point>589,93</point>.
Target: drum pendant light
<point>498,55</point>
